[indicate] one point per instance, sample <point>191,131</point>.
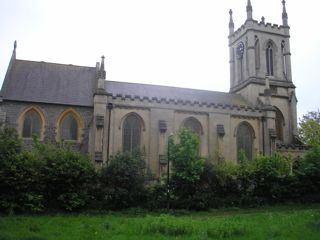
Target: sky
<point>180,43</point>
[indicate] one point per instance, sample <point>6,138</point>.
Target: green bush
<point>69,176</point>
<point>263,179</point>
<point>21,179</point>
<point>45,176</point>
<point>123,181</point>
<point>187,168</point>
<point>308,172</point>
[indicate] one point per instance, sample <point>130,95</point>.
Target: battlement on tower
<point>255,25</point>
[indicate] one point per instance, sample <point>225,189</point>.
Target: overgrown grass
<point>288,222</point>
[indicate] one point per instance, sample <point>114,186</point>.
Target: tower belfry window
<point>257,52</point>
<point>269,58</point>
<point>283,48</point>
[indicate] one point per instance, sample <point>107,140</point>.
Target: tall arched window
<point>269,59</point>
<point>283,53</point>
<point>32,124</point>
<point>279,124</point>
<point>194,125</point>
<point>245,136</point>
<point>131,133</point>
<point>257,51</point>
<point>69,127</point>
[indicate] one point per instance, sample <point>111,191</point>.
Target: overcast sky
<point>179,43</point>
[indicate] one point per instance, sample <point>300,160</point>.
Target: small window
<point>69,128</point>
<point>131,133</point>
<point>31,124</point>
<point>245,137</point>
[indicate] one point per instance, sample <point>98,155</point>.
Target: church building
<point>78,105</point>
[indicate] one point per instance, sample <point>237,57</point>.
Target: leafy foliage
<point>68,176</point>
<point>308,173</point>
<point>309,128</point>
<point>122,182</point>
<point>44,176</point>
<point>187,168</point>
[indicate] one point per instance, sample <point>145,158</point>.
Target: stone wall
<point>51,114</point>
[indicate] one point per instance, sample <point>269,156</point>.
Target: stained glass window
<point>131,133</point>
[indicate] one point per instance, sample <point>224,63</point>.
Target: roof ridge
<point>174,87</point>
<point>64,64</point>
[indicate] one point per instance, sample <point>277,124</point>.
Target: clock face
<point>240,50</point>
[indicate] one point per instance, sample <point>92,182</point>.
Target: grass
<point>286,222</point>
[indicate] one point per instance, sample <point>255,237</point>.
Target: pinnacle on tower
<point>231,24</point>
<point>14,49</point>
<point>102,72</point>
<point>249,10</point>
<point>284,14</point>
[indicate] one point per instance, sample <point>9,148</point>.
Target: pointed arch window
<point>283,53</point>
<point>257,52</point>
<point>245,136</point>
<point>32,124</point>
<point>279,124</point>
<point>69,127</point>
<point>194,125</point>
<point>131,133</point>
<point>269,59</point>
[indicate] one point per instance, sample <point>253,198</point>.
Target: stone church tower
<point>81,106</point>
<point>260,70</point>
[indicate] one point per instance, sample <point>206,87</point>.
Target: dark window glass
<point>257,52</point>
<point>69,128</point>
<point>31,124</point>
<point>131,133</point>
<point>279,124</point>
<point>269,52</point>
<point>245,141</point>
<point>194,125</point>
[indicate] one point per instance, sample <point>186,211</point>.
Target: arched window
<point>69,127</point>
<point>245,137</point>
<point>279,124</point>
<point>131,133</point>
<point>257,52</point>
<point>32,124</point>
<point>283,53</point>
<point>269,59</point>
<point>194,125</point>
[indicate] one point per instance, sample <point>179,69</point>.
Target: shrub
<point>308,172</point>
<point>122,181</point>
<point>68,175</point>
<point>187,168</point>
<point>265,179</point>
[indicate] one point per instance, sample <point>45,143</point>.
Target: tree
<point>187,168</point>
<point>309,128</point>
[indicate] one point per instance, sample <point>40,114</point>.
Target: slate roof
<point>49,83</point>
<point>44,82</point>
<point>164,92</point>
